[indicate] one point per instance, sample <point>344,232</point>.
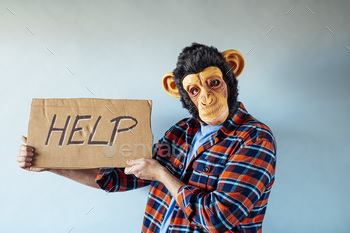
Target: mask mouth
<point>217,118</point>
<point>212,110</point>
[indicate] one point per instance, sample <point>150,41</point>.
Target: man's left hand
<point>146,169</point>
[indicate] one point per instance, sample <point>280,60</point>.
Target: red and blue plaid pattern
<point>227,183</point>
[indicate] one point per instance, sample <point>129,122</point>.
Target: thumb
<point>132,162</point>
<point>24,139</point>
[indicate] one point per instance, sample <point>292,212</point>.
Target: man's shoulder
<point>254,130</point>
<point>248,128</point>
<point>252,138</point>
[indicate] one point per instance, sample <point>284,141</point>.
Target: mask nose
<point>207,99</point>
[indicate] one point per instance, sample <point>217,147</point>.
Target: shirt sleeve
<point>247,174</point>
<point>115,180</point>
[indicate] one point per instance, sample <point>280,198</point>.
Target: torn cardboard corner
<point>89,133</point>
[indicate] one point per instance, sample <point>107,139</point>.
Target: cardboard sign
<point>89,133</point>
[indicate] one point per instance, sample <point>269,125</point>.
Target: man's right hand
<point>25,157</point>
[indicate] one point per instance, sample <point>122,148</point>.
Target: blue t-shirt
<point>204,132</point>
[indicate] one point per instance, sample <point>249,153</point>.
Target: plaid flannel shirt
<point>227,183</point>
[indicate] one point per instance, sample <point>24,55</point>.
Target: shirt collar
<point>231,124</point>
<point>193,125</point>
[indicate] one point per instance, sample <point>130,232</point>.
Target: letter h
<point>64,129</point>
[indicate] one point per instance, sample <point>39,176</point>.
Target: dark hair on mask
<point>194,59</point>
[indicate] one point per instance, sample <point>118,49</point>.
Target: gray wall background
<point>296,81</point>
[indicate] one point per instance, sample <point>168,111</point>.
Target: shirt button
<point>181,166</point>
<point>206,169</point>
<point>162,218</point>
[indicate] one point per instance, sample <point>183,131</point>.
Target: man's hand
<point>146,169</point>
<point>25,157</point>
<point>150,169</point>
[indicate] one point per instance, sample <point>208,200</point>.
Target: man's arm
<point>83,176</point>
<point>172,183</point>
<point>150,169</point>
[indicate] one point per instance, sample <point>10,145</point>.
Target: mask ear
<point>235,59</point>
<point>170,86</point>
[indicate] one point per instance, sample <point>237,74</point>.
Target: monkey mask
<point>205,81</point>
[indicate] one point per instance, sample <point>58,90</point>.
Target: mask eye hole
<point>194,91</point>
<point>214,83</point>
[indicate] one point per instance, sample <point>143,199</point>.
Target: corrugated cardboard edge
<point>29,122</point>
<point>150,123</point>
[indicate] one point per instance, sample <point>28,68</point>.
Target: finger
<point>132,170</point>
<point>26,148</point>
<point>24,164</point>
<point>127,170</point>
<point>22,153</point>
<point>25,153</point>
<point>134,161</point>
<point>24,159</point>
<point>131,162</point>
<point>24,139</point>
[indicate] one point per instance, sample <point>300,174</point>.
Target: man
<point>212,172</point>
